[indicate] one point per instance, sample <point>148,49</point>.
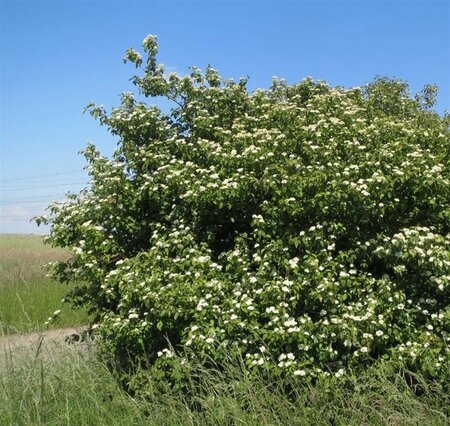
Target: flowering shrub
<point>305,226</point>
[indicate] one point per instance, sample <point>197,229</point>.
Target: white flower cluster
<point>306,220</point>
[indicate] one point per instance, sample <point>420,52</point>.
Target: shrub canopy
<point>304,226</point>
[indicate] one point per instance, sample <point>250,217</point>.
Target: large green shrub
<point>305,227</point>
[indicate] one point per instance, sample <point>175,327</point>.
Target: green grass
<point>62,387</point>
<point>27,295</point>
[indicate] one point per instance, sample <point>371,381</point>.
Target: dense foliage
<point>304,226</point>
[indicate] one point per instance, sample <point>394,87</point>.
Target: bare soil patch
<point>38,342</point>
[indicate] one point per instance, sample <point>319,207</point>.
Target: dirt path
<point>35,340</point>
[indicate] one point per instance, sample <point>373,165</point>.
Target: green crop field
<point>27,296</point>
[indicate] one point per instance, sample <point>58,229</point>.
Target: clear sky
<point>56,56</point>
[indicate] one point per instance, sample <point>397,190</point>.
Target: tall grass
<point>27,295</point>
<point>60,386</point>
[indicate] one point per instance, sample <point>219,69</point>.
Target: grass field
<point>60,386</point>
<point>27,295</point>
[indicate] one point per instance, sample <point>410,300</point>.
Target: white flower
<point>340,372</point>
<point>290,322</point>
<point>293,263</point>
<point>201,304</point>
<point>165,352</point>
<point>379,333</point>
<point>299,373</point>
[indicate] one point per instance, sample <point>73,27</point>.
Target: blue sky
<point>56,56</point>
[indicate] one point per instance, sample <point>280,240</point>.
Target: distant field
<point>27,296</point>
